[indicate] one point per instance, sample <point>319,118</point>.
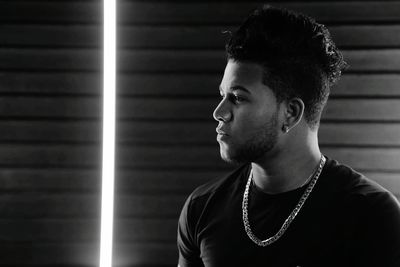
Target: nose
<point>222,112</point>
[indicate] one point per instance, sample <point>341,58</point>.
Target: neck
<point>288,168</point>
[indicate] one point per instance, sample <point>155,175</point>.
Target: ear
<point>294,110</point>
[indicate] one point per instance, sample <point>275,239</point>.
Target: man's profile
<point>287,204</point>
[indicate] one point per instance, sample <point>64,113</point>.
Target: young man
<point>287,205</point>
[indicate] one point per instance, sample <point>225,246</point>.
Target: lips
<point>221,132</point>
<point>222,135</point>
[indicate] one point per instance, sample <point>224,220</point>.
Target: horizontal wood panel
<point>88,181</point>
<point>160,84</point>
<point>50,107</point>
<point>143,155</point>
<point>49,254</point>
<point>373,60</point>
<point>212,60</point>
<point>51,131</point>
<point>363,109</point>
<point>367,159</point>
<point>371,85</point>
<point>184,182</point>
<point>48,35</point>
<point>149,206</point>
<point>86,254</point>
<point>42,83</point>
<point>153,181</point>
<point>177,108</point>
<point>360,158</point>
<point>50,59</point>
<point>337,109</point>
<point>46,156</point>
<point>143,255</point>
<point>45,208</point>
<point>207,84</point>
<point>227,12</point>
<point>32,205</point>
<point>146,230</point>
<point>390,181</point>
<point>373,134</point>
<point>132,182</point>
<point>168,157</point>
<point>387,60</point>
<point>214,36</point>
<point>376,134</point>
<point>366,35</point>
<point>136,182</point>
<point>49,230</point>
<point>86,230</point>
<point>176,36</point>
<point>181,37</point>
<point>35,205</point>
<point>192,13</point>
<point>18,180</point>
<point>187,156</point>
<point>50,12</point>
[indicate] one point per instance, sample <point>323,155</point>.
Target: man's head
<point>280,67</point>
<point>298,56</point>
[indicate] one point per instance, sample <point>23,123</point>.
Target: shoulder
<point>206,196</point>
<point>220,185</point>
<point>343,179</point>
<point>374,211</point>
<point>213,191</point>
<point>358,191</point>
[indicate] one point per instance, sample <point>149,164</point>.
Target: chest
<point>316,237</point>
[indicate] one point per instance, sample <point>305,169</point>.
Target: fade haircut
<point>298,56</point>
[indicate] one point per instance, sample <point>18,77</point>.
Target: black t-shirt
<point>347,220</point>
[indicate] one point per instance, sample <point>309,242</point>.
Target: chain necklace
<point>291,216</point>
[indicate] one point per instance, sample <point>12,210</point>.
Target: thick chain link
<point>289,219</point>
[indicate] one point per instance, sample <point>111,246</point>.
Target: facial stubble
<point>256,146</point>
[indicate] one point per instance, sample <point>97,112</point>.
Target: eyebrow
<point>237,88</point>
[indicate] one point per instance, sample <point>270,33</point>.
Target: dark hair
<point>298,56</point>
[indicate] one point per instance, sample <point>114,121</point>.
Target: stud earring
<point>285,128</point>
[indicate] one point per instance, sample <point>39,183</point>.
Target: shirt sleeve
<point>189,252</point>
<point>379,231</point>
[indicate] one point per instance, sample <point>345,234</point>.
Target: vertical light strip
<point>108,161</point>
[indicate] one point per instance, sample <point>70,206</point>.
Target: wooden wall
<point>171,61</point>
<point>50,54</point>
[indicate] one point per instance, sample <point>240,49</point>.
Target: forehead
<point>242,73</point>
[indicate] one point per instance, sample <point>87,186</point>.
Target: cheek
<point>247,126</point>
<point>255,117</point>
<point>256,122</point>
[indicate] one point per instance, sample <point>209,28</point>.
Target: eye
<point>237,99</point>
<point>233,98</point>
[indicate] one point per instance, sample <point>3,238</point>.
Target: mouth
<point>222,133</point>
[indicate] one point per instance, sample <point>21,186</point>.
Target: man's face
<point>248,114</point>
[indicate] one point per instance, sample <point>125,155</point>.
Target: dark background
<point>171,60</point>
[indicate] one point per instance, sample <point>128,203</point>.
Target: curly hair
<point>298,55</point>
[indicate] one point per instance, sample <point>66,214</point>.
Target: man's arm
<point>379,231</point>
<point>189,252</point>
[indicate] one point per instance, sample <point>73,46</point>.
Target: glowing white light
<point>108,161</point>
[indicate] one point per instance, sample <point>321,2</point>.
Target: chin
<point>250,152</point>
<point>225,154</point>
<point>229,157</point>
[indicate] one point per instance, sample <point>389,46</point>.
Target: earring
<point>285,128</point>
